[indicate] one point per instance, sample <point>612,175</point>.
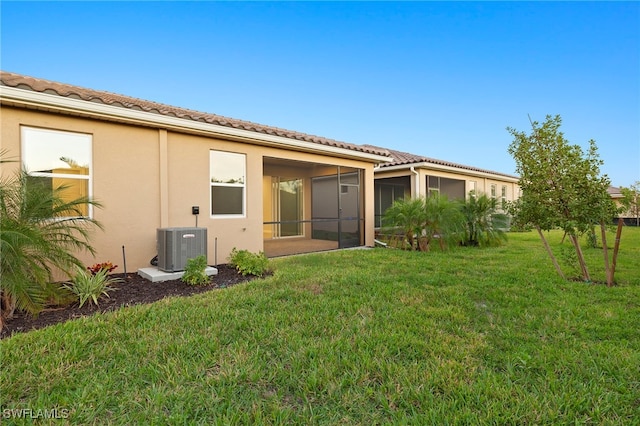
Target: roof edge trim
<point>31,98</point>
<point>433,166</point>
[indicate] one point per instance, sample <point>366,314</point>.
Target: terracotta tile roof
<point>65,90</point>
<point>406,159</point>
<point>614,192</point>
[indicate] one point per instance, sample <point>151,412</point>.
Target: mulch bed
<point>135,290</point>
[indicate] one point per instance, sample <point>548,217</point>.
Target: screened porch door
<point>335,208</point>
<point>349,229</point>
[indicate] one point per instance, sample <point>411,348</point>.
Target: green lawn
<point>355,337</point>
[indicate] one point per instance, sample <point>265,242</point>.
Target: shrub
<point>418,222</point>
<point>195,271</point>
<point>33,245</point>
<point>248,263</point>
<point>87,286</point>
<point>485,224</point>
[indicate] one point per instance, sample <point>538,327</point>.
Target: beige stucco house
<point>256,187</point>
<point>409,175</point>
<point>630,217</point>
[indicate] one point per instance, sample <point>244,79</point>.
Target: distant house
<point>256,187</point>
<point>628,216</point>
<point>410,175</point>
<point>616,195</point>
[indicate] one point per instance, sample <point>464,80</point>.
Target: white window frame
<point>28,132</point>
<point>242,185</point>
<point>431,189</point>
<point>472,188</point>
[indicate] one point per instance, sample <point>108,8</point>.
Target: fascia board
<point>14,96</point>
<point>459,171</point>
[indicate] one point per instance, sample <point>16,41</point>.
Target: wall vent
<point>176,245</point>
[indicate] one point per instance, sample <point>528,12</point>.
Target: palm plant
<point>408,217</point>
<point>39,232</point>
<point>444,222</point>
<point>422,220</point>
<point>485,225</point>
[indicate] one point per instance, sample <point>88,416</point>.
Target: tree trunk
<point>615,250</point>
<point>409,237</point>
<point>605,252</point>
<point>553,259</point>
<point>424,244</point>
<point>7,305</point>
<point>583,264</point>
<point>7,308</point>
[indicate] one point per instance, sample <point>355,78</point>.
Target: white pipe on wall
<point>413,170</point>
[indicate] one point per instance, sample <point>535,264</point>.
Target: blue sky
<point>442,80</point>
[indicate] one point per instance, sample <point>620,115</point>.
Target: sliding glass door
<point>287,202</point>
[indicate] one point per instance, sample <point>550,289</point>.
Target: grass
<point>355,337</point>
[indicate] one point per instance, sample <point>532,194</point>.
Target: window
<point>493,190</point>
<point>451,188</point>
<point>433,185</point>
<point>227,172</point>
<point>55,158</point>
<point>504,196</point>
<point>385,196</point>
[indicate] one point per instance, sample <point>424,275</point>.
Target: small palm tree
<point>39,232</point>
<point>485,225</point>
<point>408,217</point>
<point>444,222</point>
<point>422,220</point>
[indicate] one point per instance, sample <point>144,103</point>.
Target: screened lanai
<point>311,207</point>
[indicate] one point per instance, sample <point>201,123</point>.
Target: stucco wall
<point>148,178</point>
<point>483,182</point>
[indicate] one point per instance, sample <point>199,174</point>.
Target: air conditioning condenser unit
<point>177,245</point>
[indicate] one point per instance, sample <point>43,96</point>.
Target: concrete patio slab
<point>156,275</point>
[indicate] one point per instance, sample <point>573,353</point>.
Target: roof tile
<point>401,158</point>
<point>65,90</point>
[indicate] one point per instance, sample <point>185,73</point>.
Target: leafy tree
<point>561,186</point>
<point>39,231</point>
<point>485,225</point>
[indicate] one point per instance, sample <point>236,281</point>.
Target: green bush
<point>248,263</point>
<point>195,271</point>
<point>87,286</point>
